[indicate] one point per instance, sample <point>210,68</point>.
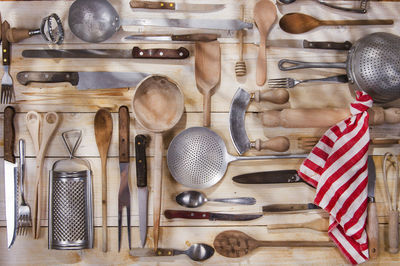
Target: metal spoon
<point>194,199</point>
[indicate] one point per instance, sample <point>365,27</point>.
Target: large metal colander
<point>198,158</point>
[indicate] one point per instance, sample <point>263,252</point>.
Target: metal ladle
<point>362,9</point>
<point>194,199</point>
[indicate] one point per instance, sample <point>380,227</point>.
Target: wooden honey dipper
<point>240,66</point>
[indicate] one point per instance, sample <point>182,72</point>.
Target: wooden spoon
<point>208,74</point>
<point>300,23</point>
<point>264,16</point>
<point>103,127</point>
<point>235,244</point>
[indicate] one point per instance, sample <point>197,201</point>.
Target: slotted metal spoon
<point>197,157</point>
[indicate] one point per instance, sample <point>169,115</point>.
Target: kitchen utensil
<point>197,157</point>
<point>290,207</point>
<point>321,224</point>
<point>393,213</point>
<point>10,175</point>
<point>136,53</point>
<point>84,80</point>
<point>318,117</point>
<point>269,177</point>
<point>41,132</point>
<point>362,9</point>
<point>240,66</point>
<point>158,106</point>
<point>208,74</point>
<point>237,128</point>
<point>103,127</point>
<point>297,23</point>
<point>24,210</point>
<point>124,194</point>
<point>285,43</point>
<point>201,37</point>
<point>141,175</point>
<point>171,214</point>
<point>97,20</point>
<point>7,89</point>
<point>197,252</point>
<point>307,143</point>
<point>46,30</point>
<point>71,200</point>
<point>235,244</point>
<point>290,83</point>
<point>184,7</point>
<point>264,16</point>
<point>372,221</point>
<point>194,199</point>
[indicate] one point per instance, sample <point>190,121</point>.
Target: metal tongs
<point>362,9</point>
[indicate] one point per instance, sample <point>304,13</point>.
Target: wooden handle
<point>164,252</point>
<point>16,35</point>
<point>393,232</point>
<point>279,144</point>
<point>261,67</point>
<point>207,109</point>
<point>157,185</point>
<point>141,165</point>
<point>327,45</point>
<point>180,53</point>
<point>372,230</point>
<point>357,22</point>
<point>26,77</point>
<point>296,244</point>
<point>9,134</point>
<point>123,124</point>
<point>278,96</point>
<point>104,203</point>
<point>5,45</point>
<point>317,224</point>
<point>201,37</point>
<point>152,5</point>
<point>171,214</point>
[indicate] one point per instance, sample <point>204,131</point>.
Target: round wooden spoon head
<point>103,127</point>
<point>297,23</point>
<point>234,244</point>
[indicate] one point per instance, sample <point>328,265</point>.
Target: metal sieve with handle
<point>197,157</point>
<point>372,66</point>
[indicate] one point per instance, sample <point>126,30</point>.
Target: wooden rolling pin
<point>315,118</point>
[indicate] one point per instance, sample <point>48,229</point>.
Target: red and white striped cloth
<point>337,167</point>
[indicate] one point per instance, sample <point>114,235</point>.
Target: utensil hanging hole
<point>51,118</point>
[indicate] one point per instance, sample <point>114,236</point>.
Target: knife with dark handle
<point>171,214</point>
<point>292,43</point>
<point>289,207</point>
<point>372,221</point>
<point>201,37</point>
<point>270,177</point>
<point>27,77</point>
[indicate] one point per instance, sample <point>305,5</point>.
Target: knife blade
<point>141,175</point>
<point>171,214</point>
<point>10,175</point>
<point>136,53</point>
<point>269,177</point>
<point>372,222</point>
<point>84,80</point>
<point>176,6</point>
<point>203,37</point>
<point>289,207</point>
<point>286,43</point>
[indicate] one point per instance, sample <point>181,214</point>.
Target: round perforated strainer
<point>197,157</point>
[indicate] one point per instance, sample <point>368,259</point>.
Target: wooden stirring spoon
<point>103,127</point>
<point>264,16</point>
<point>235,244</point>
<point>297,23</point>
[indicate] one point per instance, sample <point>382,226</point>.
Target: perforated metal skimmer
<point>198,158</point>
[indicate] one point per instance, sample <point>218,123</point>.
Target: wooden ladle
<point>297,23</point>
<point>264,16</point>
<point>103,127</point>
<point>235,244</point>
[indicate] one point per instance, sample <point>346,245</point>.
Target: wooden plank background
<point>77,110</point>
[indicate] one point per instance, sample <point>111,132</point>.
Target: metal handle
<point>300,65</point>
<point>335,79</point>
<point>361,10</point>
<point>241,200</point>
<point>64,136</point>
<point>22,168</point>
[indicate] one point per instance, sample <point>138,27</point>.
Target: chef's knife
<point>84,80</point>
<point>289,207</point>
<point>176,6</point>
<point>141,174</point>
<point>269,177</point>
<point>10,175</point>
<point>307,44</point>
<point>171,214</point>
<point>136,52</point>
<point>372,223</point>
<point>202,37</point>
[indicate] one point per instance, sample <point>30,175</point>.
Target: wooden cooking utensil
<point>264,16</point>
<point>321,224</point>
<point>297,23</point>
<point>158,106</point>
<point>208,74</point>
<point>103,127</point>
<point>235,244</point>
<point>240,66</point>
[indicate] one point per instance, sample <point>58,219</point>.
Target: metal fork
<point>24,211</point>
<point>290,83</point>
<point>7,90</point>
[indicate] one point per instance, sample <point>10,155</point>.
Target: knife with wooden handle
<point>372,221</point>
<point>178,6</point>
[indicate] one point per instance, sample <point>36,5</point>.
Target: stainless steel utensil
<point>197,157</point>
<point>197,252</point>
<point>372,216</point>
<point>194,199</point>
<point>373,66</point>
<point>178,6</point>
<point>24,210</point>
<point>362,9</point>
<point>7,88</point>
<point>290,83</point>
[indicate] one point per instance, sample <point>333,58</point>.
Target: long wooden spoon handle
<point>357,22</point>
<point>261,70</point>
<point>157,185</point>
<point>393,232</point>
<point>296,244</point>
<point>207,109</point>
<point>318,224</point>
<point>104,201</point>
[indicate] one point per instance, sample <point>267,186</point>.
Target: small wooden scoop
<point>208,74</point>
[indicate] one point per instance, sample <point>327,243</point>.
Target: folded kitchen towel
<point>337,167</point>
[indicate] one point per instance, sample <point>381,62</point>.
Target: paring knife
<point>307,44</point>
<point>176,6</point>
<point>136,53</point>
<point>10,175</point>
<point>289,207</point>
<point>84,80</point>
<point>171,214</point>
<point>372,222</point>
<point>203,37</point>
<point>141,175</point>
<point>269,177</point>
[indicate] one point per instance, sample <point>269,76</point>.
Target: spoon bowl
<point>199,252</point>
<point>194,199</point>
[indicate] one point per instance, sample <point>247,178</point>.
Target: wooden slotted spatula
<point>208,74</point>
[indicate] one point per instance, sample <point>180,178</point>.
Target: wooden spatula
<point>208,73</point>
